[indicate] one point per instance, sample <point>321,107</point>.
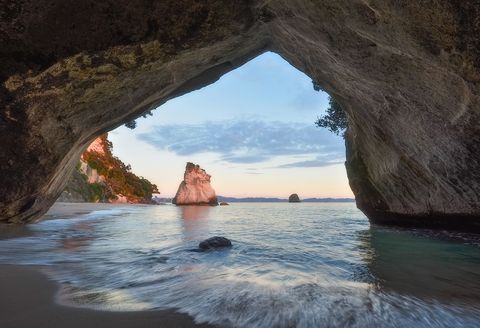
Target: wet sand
<point>67,210</point>
<point>58,211</point>
<point>27,299</point>
<point>27,296</point>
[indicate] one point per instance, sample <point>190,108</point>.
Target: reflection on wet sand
<point>422,266</point>
<point>14,231</point>
<point>81,237</point>
<point>194,220</point>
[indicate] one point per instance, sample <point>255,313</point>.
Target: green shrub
<point>118,176</point>
<point>335,120</point>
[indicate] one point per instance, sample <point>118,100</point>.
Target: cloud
<point>247,141</point>
<point>311,163</point>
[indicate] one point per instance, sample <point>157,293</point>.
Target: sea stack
<point>195,189</point>
<point>294,198</point>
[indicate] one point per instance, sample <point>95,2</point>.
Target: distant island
<point>294,198</point>
<point>282,200</point>
<point>225,199</point>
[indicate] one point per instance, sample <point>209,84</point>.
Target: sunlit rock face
<point>406,72</point>
<point>97,146</point>
<point>195,189</point>
<point>101,177</point>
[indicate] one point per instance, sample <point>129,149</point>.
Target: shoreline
<point>59,210</point>
<point>66,210</point>
<point>28,300</point>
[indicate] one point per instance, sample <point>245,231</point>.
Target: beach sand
<point>27,296</point>
<point>58,211</point>
<point>67,210</point>
<point>27,300</point>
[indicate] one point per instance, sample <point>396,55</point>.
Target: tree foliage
<point>133,124</point>
<point>335,119</point>
<point>118,175</point>
<point>316,86</point>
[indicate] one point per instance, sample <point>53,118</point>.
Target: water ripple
<point>313,265</point>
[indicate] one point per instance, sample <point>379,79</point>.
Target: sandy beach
<point>61,210</point>
<point>27,297</point>
<point>28,300</point>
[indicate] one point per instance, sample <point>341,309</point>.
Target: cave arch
<point>253,130</point>
<point>407,74</point>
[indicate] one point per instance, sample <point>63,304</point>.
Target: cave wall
<point>407,73</point>
<point>77,69</point>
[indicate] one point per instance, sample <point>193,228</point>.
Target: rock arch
<point>407,74</point>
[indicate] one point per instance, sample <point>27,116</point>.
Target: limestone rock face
<point>293,198</point>
<point>407,73</point>
<point>195,189</point>
<point>89,184</point>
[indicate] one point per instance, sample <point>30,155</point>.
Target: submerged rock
<point>195,189</point>
<point>294,198</point>
<point>215,242</point>
<point>224,204</point>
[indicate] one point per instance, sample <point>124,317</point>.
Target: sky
<point>253,131</point>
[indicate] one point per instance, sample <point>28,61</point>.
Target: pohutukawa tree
<point>335,119</point>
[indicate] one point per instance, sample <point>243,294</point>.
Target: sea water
<point>291,265</point>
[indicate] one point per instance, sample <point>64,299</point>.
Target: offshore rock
<point>214,243</point>
<point>294,198</point>
<point>195,189</point>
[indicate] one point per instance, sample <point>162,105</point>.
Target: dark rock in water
<point>215,242</point>
<point>294,198</point>
<point>224,204</point>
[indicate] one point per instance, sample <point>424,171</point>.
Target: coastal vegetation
<point>79,189</point>
<point>335,119</point>
<point>103,177</point>
<point>133,124</point>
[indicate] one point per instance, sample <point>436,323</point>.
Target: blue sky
<point>253,131</point>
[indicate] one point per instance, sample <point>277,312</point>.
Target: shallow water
<point>291,265</point>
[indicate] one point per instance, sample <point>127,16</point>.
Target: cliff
<point>195,189</point>
<point>407,73</point>
<point>102,177</point>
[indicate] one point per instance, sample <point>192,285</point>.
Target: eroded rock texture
<point>406,72</point>
<point>195,189</point>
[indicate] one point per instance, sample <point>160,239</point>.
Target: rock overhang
<point>407,75</point>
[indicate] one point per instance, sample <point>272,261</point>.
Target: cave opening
<point>405,76</point>
<point>253,130</point>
